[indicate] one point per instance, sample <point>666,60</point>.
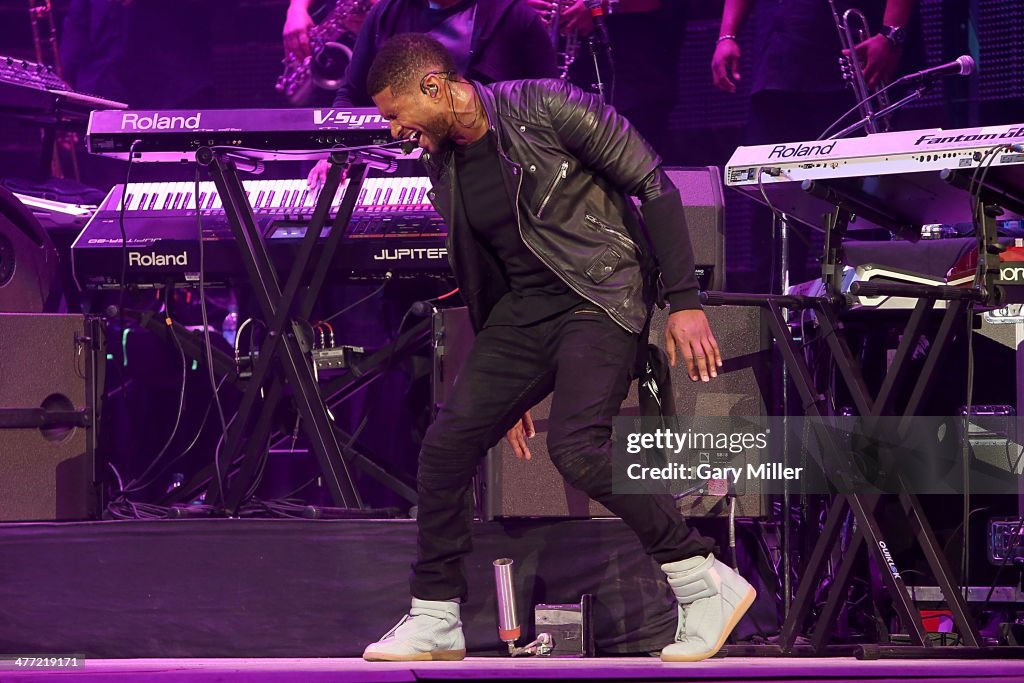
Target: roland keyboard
<point>288,134</point>
<point>900,179</point>
<point>36,91</point>
<point>394,230</point>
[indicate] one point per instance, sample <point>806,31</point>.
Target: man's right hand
<point>296,31</point>
<point>543,8</point>
<point>575,16</point>
<point>518,435</point>
<point>725,65</point>
<point>318,175</point>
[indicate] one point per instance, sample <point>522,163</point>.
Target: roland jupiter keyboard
<point>394,230</point>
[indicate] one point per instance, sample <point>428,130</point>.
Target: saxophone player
<point>298,21</point>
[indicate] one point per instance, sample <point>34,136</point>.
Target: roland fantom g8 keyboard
<point>897,181</point>
<point>394,230</point>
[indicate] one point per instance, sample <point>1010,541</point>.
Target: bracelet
<point>727,37</point>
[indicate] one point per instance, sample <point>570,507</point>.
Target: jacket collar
<point>487,102</point>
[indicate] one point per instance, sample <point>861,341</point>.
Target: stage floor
<point>759,669</point>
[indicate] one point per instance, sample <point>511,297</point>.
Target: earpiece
<point>432,89</point>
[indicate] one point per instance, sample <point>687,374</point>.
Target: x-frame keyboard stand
<point>863,505</point>
<point>286,345</point>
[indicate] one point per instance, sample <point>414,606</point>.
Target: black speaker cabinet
<point>745,387</point>
<point>704,205</point>
<point>29,276</point>
<point>46,472</point>
<point>534,488</point>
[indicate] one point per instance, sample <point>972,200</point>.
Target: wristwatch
<point>895,34</point>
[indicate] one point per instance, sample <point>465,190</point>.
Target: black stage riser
<point>295,588</point>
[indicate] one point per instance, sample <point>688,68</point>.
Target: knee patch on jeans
<point>583,465</point>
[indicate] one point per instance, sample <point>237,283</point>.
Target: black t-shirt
<point>535,292</point>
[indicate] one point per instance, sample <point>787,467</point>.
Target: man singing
<point>556,269</point>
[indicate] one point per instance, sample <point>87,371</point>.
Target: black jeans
<point>587,360</point>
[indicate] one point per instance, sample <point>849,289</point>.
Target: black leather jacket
<point>570,164</point>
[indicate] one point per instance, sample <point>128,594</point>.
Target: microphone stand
<point>598,84</point>
<point>882,113</point>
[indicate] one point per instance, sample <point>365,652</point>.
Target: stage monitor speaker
<point>46,473</point>
<point>534,488</point>
<point>704,205</point>
<point>29,275</point>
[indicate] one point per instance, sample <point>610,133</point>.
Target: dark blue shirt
<point>148,53</point>
<point>796,43</point>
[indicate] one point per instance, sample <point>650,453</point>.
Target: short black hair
<point>403,61</point>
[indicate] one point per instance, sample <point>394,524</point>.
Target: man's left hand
<point>880,58</point>
<point>518,435</point>
<point>690,332</point>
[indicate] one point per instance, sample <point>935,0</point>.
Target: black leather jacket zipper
<point>563,171</point>
<point>566,279</point>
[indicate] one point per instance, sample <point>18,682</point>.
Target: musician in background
<point>150,54</point>
<point>797,89</point>
<point>491,40</point>
<point>646,38</point>
<point>297,23</point>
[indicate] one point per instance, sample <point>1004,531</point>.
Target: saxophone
<point>325,66</point>
<point>853,30</point>
<point>566,46</point>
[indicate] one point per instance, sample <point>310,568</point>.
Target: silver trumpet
<point>567,46</point>
<point>853,30</point>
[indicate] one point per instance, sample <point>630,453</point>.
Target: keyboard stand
<point>842,473</point>
<point>845,476</point>
<point>286,345</point>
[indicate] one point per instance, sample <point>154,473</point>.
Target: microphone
<point>422,309</point>
<point>408,145</point>
<point>961,66</point>
<point>597,13</point>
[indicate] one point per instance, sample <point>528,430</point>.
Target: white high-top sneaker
<point>432,630</point>
<point>712,600</point>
